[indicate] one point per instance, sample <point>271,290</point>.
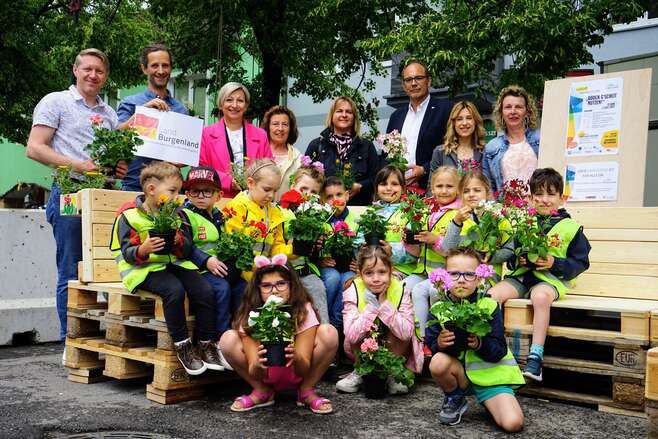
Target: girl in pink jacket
<point>376,297</point>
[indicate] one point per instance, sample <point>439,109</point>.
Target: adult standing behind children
<point>422,122</point>
<point>233,139</point>
<point>156,62</point>
<point>281,126</point>
<point>513,154</point>
<point>61,128</point>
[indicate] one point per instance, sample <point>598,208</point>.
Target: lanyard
<point>230,148</point>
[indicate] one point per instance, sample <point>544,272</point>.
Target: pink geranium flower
<point>532,211</point>
<point>96,119</point>
<point>484,271</point>
<point>369,345</point>
<point>441,279</point>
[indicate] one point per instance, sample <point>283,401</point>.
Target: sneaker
<point>395,388</point>
<point>222,360</point>
<point>454,406</point>
<point>210,355</point>
<point>349,384</point>
<point>189,358</point>
<point>533,368</point>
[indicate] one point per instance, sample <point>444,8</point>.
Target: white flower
<point>252,316</point>
<point>273,299</point>
<point>286,314</point>
<point>275,322</point>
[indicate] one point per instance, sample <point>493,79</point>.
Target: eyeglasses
<point>202,193</point>
<point>410,79</point>
<point>468,275</point>
<point>280,285</point>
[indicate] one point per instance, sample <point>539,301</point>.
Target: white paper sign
<point>594,125</point>
<point>592,181</point>
<point>168,136</point>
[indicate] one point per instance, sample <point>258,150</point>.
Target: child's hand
<point>473,341</point>
<point>258,368</point>
<point>290,354</point>
<point>386,247</point>
<point>353,265</point>
<point>523,261</point>
<point>446,339</point>
<point>326,262</point>
<point>426,237</point>
<point>462,215</point>
<point>545,263</point>
<point>149,246</point>
<point>372,298</point>
<point>216,267</point>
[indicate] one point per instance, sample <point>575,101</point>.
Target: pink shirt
<point>518,162</point>
<point>400,321</point>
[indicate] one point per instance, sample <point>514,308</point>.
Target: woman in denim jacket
<point>513,154</point>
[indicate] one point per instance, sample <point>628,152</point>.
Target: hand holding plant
<point>111,146</point>
<point>270,323</point>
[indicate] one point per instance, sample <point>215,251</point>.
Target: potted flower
<point>460,316</point>
<point>70,183</point>
<point>111,146</point>
<point>375,363</point>
<point>291,200</point>
<point>273,327</point>
<point>308,224</point>
<point>414,213</point>
<point>340,245</point>
<point>344,171</point>
<point>532,241</point>
<point>236,249</point>
<point>166,222</point>
<point>490,232</point>
<point>514,194</point>
<point>395,148</point>
<point>372,225</point>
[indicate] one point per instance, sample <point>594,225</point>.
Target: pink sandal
<point>316,402</point>
<point>254,400</point>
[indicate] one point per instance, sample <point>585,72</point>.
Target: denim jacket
<point>494,151</point>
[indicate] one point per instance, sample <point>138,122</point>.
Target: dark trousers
<point>171,284</point>
<point>227,300</point>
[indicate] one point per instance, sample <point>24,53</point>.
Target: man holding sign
<point>156,63</point>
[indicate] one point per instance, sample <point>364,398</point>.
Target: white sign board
<point>168,136</point>
<point>596,181</point>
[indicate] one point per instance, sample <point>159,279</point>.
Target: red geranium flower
<point>416,190</point>
<point>291,199</point>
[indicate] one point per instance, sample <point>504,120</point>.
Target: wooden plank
<point>616,251</point>
<point>619,411</point>
<point>615,217</point>
<point>576,301</point>
<point>611,285</point>
<point>105,270</point>
<point>107,287</point>
<point>651,383</point>
<point>102,253</point>
<point>108,200</point>
<point>87,272</point>
<point>103,216</point>
<point>80,298</point>
<point>101,235</point>
<point>623,269</point>
<point>565,395</point>
<point>626,235</point>
<point>586,334</point>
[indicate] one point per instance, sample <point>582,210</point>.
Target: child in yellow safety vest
<point>170,275</point>
<point>551,277</point>
<point>206,222</point>
<point>444,183</point>
<point>377,297</point>
<point>486,368</point>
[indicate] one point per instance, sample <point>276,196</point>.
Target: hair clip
<point>280,259</point>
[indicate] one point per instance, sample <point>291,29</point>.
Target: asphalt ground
<point>37,401</point>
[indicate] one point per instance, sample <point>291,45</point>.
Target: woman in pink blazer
<point>232,139</point>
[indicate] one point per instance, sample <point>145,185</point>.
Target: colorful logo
<point>146,126</point>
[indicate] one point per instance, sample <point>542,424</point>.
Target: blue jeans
<point>222,293</point>
<point>67,231</point>
<point>237,290</point>
<point>333,283</point>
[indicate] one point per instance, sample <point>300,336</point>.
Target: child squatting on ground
<point>376,296</point>
<point>308,356</point>
<point>487,368</point>
<point>169,276</point>
<point>550,278</point>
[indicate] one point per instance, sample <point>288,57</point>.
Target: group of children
<point>386,285</point>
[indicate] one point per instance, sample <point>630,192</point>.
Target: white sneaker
<point>395,388</point>
<point>350,384</point>
<point>64,357</point>
<point>222,359</point>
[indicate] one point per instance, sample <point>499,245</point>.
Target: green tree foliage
<point>40,38</point>
<point>462,40</point>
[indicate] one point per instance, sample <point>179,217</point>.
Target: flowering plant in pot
<point>166,222</point>
<point>414,213</point>
<point>491,231</point>
<point>273,327</point>
<point>70,182</point>
<point>395,148</point>
<point>308,224</point>
<point>340,244</point>
<point>111,146</point>
<point>372,225</point>
<point>532,240</point>
<point>513,194</point>
<point>344,171</point>
<point>237,174</point>
<point>460,316</point>
<point>375,363</point>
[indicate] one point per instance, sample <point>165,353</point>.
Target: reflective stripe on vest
<point>566,229</point>
<point>429,259</point>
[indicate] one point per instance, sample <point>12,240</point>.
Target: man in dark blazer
<point>422,122</point>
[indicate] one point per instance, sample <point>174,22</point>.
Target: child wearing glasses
<point>309,355</point>
<point>203,191</point>
<point>487,368</point>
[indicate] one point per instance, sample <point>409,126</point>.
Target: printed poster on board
<point>597,181</point>
<point>594,125</point>
<point>168,136</point>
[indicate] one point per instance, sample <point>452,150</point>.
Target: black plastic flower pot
<point>276,353</point>
<point>374,387</point>
<point>342,262</point>
<point>461,339</point>
<point>302,248</point>
<point>169,239</point>
<point>373,238</point>
<point>233,275</point>
<point>409,237</point>
<point>528,264</point>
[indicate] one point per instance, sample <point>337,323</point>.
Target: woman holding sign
<point>232,140</point>
<point>513,154</point>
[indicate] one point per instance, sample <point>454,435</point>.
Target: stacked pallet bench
<point>596,350</point>
<point>113,333</point>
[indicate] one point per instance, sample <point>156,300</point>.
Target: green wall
<point>15,167</point>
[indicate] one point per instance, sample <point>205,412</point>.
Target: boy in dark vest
<point>551,277</point>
